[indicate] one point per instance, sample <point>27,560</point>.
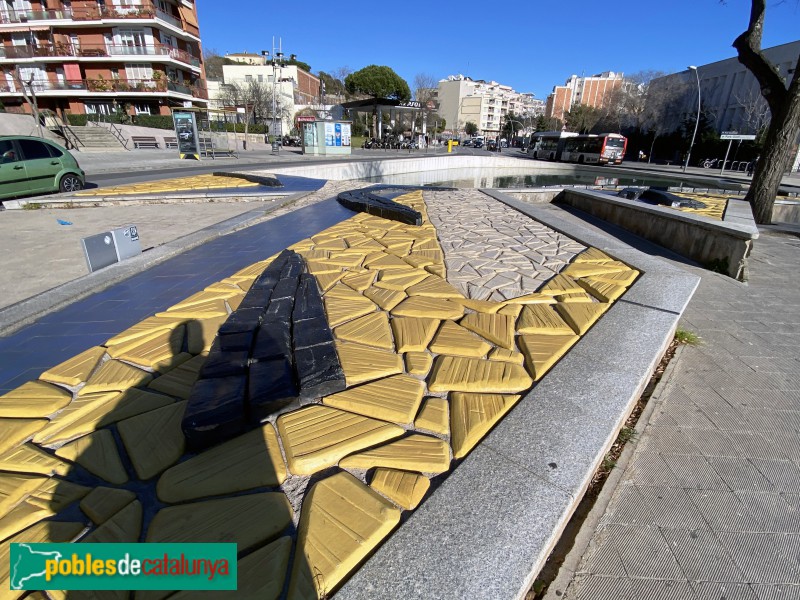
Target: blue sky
<point>531,45</point>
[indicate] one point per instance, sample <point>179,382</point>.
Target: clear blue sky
<point>530,45</point>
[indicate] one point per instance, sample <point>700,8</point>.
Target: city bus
<point>602,149</point>
<point>548,145</point>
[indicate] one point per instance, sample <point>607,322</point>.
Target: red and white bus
<point>602,149</point>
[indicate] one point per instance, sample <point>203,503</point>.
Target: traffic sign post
<point>732,135</point>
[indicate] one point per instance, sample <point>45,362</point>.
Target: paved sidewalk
<point>709,505</point>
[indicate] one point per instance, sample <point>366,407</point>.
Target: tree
<point>256,99</point>
<point>377,82</point>
<point>582,118</point>
<point>213,62</point>
<point>784,106</point>
<point>29,95</point>
<point>470,128</point>
<point>299,63</point>
<point>543,123</point>
<point>425,87</point>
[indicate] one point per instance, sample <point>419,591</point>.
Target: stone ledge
<point>489,528</point>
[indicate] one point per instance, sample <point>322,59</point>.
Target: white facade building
<point>485,103</point>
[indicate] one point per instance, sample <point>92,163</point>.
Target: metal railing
<point>95,13</point>
<point>113,85</point>
<point>97,50</point>
<point>110,126</point>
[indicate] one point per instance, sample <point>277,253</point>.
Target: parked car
<point>467,143</point>
<point>477,144</point>
<point>32,165</point>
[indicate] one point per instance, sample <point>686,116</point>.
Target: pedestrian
<point>751,166</point>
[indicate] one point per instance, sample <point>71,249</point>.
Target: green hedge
<point>78,120</point>
<point>155,121</point>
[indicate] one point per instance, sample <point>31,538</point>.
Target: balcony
<point>111,86</point>
<point>93,13</point>
<point>96,50</point>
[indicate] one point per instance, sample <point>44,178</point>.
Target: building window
<point>142,109</point>
<point>139,72</point>
<point>98,108</point>
<point>260,78</point>
<point>248,78</point>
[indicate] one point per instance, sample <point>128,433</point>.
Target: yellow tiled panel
<point>179,381</point>
<point>362,363</point>
<point>624,278</point>
<point>124,527</point>
<point>34,399</point>
<point>386,299</point>
<point>560,284</point>
<point>76,370</point>
<point>418,363</point>
<point>342,522</point>
<point>371,330</point>
<point>592,255</point>
<point>97,453</point>
<point>505,355</point>
<point>463,374</point>
<point>457,341</point>
<point>570,298</point>
<point>204,310</point>
<point>249,461</point>
<point>200,334</point>
<point>432,308</point>
<point>473,415</point>
<point>15,431</point>
<point>317,437</point>
<point>359,281</point>
<point>27,458</point>
<point>157,352</point>
<point>434,287</point>
<point>413,453</point>
<point>542,351</point>
<point>542,318</point>
<point>154,440</point>
<point>404,488</point>
<point>102,503</point>
<point>498,329</point>
<point>395,399</point>
<point>114,375</point>
<point>577,270</point>
<point>602,290</point>
<point>535,298</point>
<point>582,316</point>
<point>433,416</point>
<point>413,334</point>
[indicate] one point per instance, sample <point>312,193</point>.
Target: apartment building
<point>294,88</point>
<point>593,91</point>
<point>94,56</point>
<point>485,103</point>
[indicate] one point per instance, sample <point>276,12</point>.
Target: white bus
<point>548,145</point>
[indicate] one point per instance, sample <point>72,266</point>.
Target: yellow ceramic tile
<point>560,284</point>
<point>317,437</point>
<point>341,310</point>
<point>497,328</point>
<point>204,310</point>
<point>249,461</point>
<point>602,290</point>
<point>158,351</point>
<point>434,287</point>
<point>463,374</point>
<point>248,520</point>
<point>97,453</point>
<point>125,527</point>
<point>569,298</point>
<point>413,334</point>
<point>200,334</point>
<point>260,575</point>
<point>154,440</point>
<point>322,266</point>
<point>231,304</point>
<point>114,375</point>
<point>359,281</point>
<point>473,415</point>
<point>577,270</point>
<point>535,298</point>
<point>371,330</point>
<point>581,316</point>
<point>455,340</point>
<point>34,399</point>
<point>483,306</point>
<point>362,363</point>
<point>624,278</point>
<point>14,488</point>
<point>413,453</point>
<point>102,503</point>
<point>592,255</point>
<point>418,363</point>
<point>27,458</point>
<point>88,413</point>
<point>15,431</point>
<point>386,299</point>
<point>387,261</point>
<point>145,328</point>
<point>179,381</point>
<point>201,299</point>
<point>504,355</point>
<point>400,280</point>
<point>399,249</point>
<point>402,487</point>
<point>50,497</point>
<point>76,370</point>
<point>434,416</point>
<point>326,281</point>
<point>438,270</point>
<point>342,522</point>
<point>542,318</point>
<point>346,259</point>
<point>395,399</point>
<point>542,351</point>
<point>417,261</point>
<point>432,308</point>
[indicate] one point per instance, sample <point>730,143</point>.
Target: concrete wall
<point>785,211</point>
<point>720,245</point>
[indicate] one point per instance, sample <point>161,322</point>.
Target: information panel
<point>186,132</point>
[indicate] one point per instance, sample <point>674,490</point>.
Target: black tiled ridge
<point>364,201</point>
<point>274,351</point>
<point>269,181</point>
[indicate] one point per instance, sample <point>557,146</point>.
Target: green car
<point>32,165</point>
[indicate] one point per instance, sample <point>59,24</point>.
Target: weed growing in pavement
<point>31,206</point>
<point>626,434</point>
<point>684,336</point>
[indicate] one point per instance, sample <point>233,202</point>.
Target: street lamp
<point>697,121</point>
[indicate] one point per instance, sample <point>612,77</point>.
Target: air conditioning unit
<point>110,247</point>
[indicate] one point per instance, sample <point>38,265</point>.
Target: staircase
<point>96,139</point>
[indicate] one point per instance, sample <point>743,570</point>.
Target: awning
<point>26,28</point>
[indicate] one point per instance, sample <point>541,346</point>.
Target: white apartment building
<point>485,103</point>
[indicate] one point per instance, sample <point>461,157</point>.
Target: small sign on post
<point>732,135</point>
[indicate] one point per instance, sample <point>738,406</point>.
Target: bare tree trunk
<point>784,105</point>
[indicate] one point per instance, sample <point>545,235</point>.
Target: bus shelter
<point>396,109</point>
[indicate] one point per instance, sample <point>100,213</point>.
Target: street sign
<point>734,135</point>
